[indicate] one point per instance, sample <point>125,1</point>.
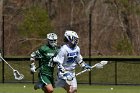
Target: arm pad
<point>32,67</point>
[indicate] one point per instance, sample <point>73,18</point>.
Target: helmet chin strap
<point>71,45</point>
<point>52,44</point>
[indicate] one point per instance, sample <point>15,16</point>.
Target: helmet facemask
<point>74,41</point>
<point>53,43</point>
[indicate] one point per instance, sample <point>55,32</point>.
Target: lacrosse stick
<point>17,75</point>
<point>97,65</point>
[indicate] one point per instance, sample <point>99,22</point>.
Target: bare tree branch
<point>124,21</point>
<point>91,4</point>
<point>1,9</point>
<point>82,2</point>
<point>31,39</point>
<point>72,13</point>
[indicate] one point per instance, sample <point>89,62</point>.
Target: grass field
<point>19,88</point>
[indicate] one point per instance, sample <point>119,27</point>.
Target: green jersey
<point>45,53</point>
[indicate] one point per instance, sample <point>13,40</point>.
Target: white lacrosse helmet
<point>52,39</point>
<point>72,37</point>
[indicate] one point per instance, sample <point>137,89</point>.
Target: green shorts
<point>46,79</point>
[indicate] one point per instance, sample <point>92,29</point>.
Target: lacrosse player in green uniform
<point>46,69</point>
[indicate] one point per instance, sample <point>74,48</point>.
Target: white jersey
<point>68,57</point>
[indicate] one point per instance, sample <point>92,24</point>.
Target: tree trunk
<point>1,9</point>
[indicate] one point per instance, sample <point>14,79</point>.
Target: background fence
<point>117,71</point>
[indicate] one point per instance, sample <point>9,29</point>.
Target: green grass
<point>18,88</point>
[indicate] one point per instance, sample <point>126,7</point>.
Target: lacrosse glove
<point>33,68</point>
<point>68,76</point>
<point>32,59</point>
<point>87,67</point>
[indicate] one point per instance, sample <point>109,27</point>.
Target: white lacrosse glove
<point>87,67</point>
<point>68,76</point>
<point>33,68</point>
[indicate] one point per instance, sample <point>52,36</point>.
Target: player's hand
<point>62,70</point>
<point>32,59</point>
<point>68,76</point>
<point>33,68</point>
<point>87,67</point>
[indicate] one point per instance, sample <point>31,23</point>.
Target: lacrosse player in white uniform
<point>67,58</point>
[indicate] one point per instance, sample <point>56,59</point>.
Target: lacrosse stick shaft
<point>98,65</point>
<point>7,62</point>
<point>85,70</point>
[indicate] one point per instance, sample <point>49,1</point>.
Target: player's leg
<point>47,83</point>
<point>38,85</point>
<point>73,87</point>
<point>60,83</point>
<point>48,88</point>
<point>69,88</point>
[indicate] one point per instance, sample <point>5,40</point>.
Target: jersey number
<point>50,64</point>
<point>71,59</point>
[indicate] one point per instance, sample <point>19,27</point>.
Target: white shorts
<point>62,83</point>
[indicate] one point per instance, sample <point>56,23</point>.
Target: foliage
<point>36,22</point>
<point>124,47</point>
<point>128,6</point>
<point>115,16</point>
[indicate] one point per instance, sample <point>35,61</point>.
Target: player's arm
<point>82,63</point>
<point>52,58</point>
<point>34,55</point>
<point>58,59</point>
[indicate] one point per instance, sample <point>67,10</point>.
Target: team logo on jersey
<point>72,54</point>
<point>50,54</point>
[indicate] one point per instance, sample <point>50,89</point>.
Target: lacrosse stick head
<point>101,64</point>
<point>98,65</point>
<point>17,75</point>
<point>104,62</point>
